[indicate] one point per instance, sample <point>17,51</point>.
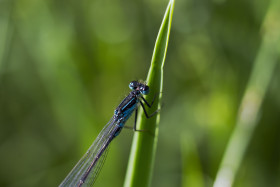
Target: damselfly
<point>86,170</point>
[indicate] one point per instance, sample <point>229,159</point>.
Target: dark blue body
<point>87,169</point>
<point>121,115</point>
<point>125,109</point>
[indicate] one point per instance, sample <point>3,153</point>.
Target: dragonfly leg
<point>146,102</point>
<point>146,114</point>
<point>135,121</point>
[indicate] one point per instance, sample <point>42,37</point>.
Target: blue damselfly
<point>87,169</point>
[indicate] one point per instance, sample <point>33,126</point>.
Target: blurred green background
<point>65,66</point>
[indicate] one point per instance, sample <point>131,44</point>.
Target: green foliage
<point>65,66</point>
<point>249,112</point>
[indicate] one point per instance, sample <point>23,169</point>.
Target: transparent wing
<point>96,170</point>
<point>74,177</point>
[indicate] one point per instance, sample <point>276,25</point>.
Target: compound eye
<point>133,85</point>
<point>145,89</point>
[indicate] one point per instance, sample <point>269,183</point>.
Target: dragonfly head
<point>143,88</point>
<point>133,85</point>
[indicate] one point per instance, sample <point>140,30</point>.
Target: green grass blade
<point>140,167</point>
<point>253,97</point>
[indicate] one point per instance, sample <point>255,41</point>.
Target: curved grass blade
<point>250,107</point>
<point>141,161</point>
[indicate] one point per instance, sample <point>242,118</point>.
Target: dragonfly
<point>87,169</point>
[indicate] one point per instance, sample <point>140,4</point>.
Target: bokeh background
<point>65,66</point>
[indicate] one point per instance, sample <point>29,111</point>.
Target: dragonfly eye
<point>144,89</point>
<point>133,85</point>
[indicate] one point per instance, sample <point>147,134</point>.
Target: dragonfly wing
<point>96,169</point>
<point>74,177</point>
